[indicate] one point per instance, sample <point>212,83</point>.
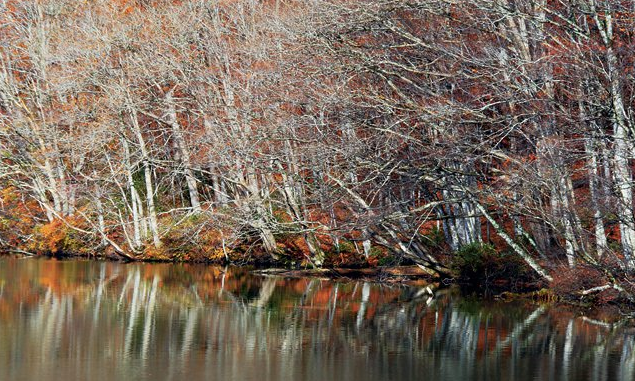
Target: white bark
<point>135,199</point>
<point>519,250</point>
<point>184,151</point>
<point>147,172</point>
<point>622,146</point>
<point>594,187</point>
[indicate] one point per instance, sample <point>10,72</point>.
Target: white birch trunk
<point>622,146</point>
<point>147,172</point>
<point>184,151</point>
<point>519,250</point>
<point>135,199</point>
<point>594,175</point>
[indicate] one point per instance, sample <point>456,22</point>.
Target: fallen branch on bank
<point>608,286</point>
<point>593,290</point>
<point>23,252</point>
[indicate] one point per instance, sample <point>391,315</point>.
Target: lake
<point>90,320</point>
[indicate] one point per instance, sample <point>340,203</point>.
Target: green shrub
<point>482,264</point>
<point>469,261</point>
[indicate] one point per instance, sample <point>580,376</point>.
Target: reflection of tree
<point>128,322</point>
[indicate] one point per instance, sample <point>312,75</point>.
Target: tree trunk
<point>184,151</point>
<point>621,146</point>
<point>135,199</point>
<point>519,250</point>
<point>147,172</point>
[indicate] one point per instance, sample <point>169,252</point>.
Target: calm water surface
<point>80,320</point>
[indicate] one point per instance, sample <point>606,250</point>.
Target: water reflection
<point>76,320</point>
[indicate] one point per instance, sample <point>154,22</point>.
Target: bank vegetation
<point>485,140</point>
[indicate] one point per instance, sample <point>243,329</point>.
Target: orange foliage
<point>52,235</point>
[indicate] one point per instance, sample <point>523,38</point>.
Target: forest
<point>490,137</point>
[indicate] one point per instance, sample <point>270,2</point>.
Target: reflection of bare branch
<point>268,286</point>
<point>519,329</point>
<point>145,317</point>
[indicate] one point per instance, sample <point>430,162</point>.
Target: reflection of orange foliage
<point>322,296</point>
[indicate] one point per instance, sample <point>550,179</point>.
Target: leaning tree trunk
<point>621,146</point>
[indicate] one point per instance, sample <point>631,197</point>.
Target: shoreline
<point>409,275</point>
<point>381,274</point>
